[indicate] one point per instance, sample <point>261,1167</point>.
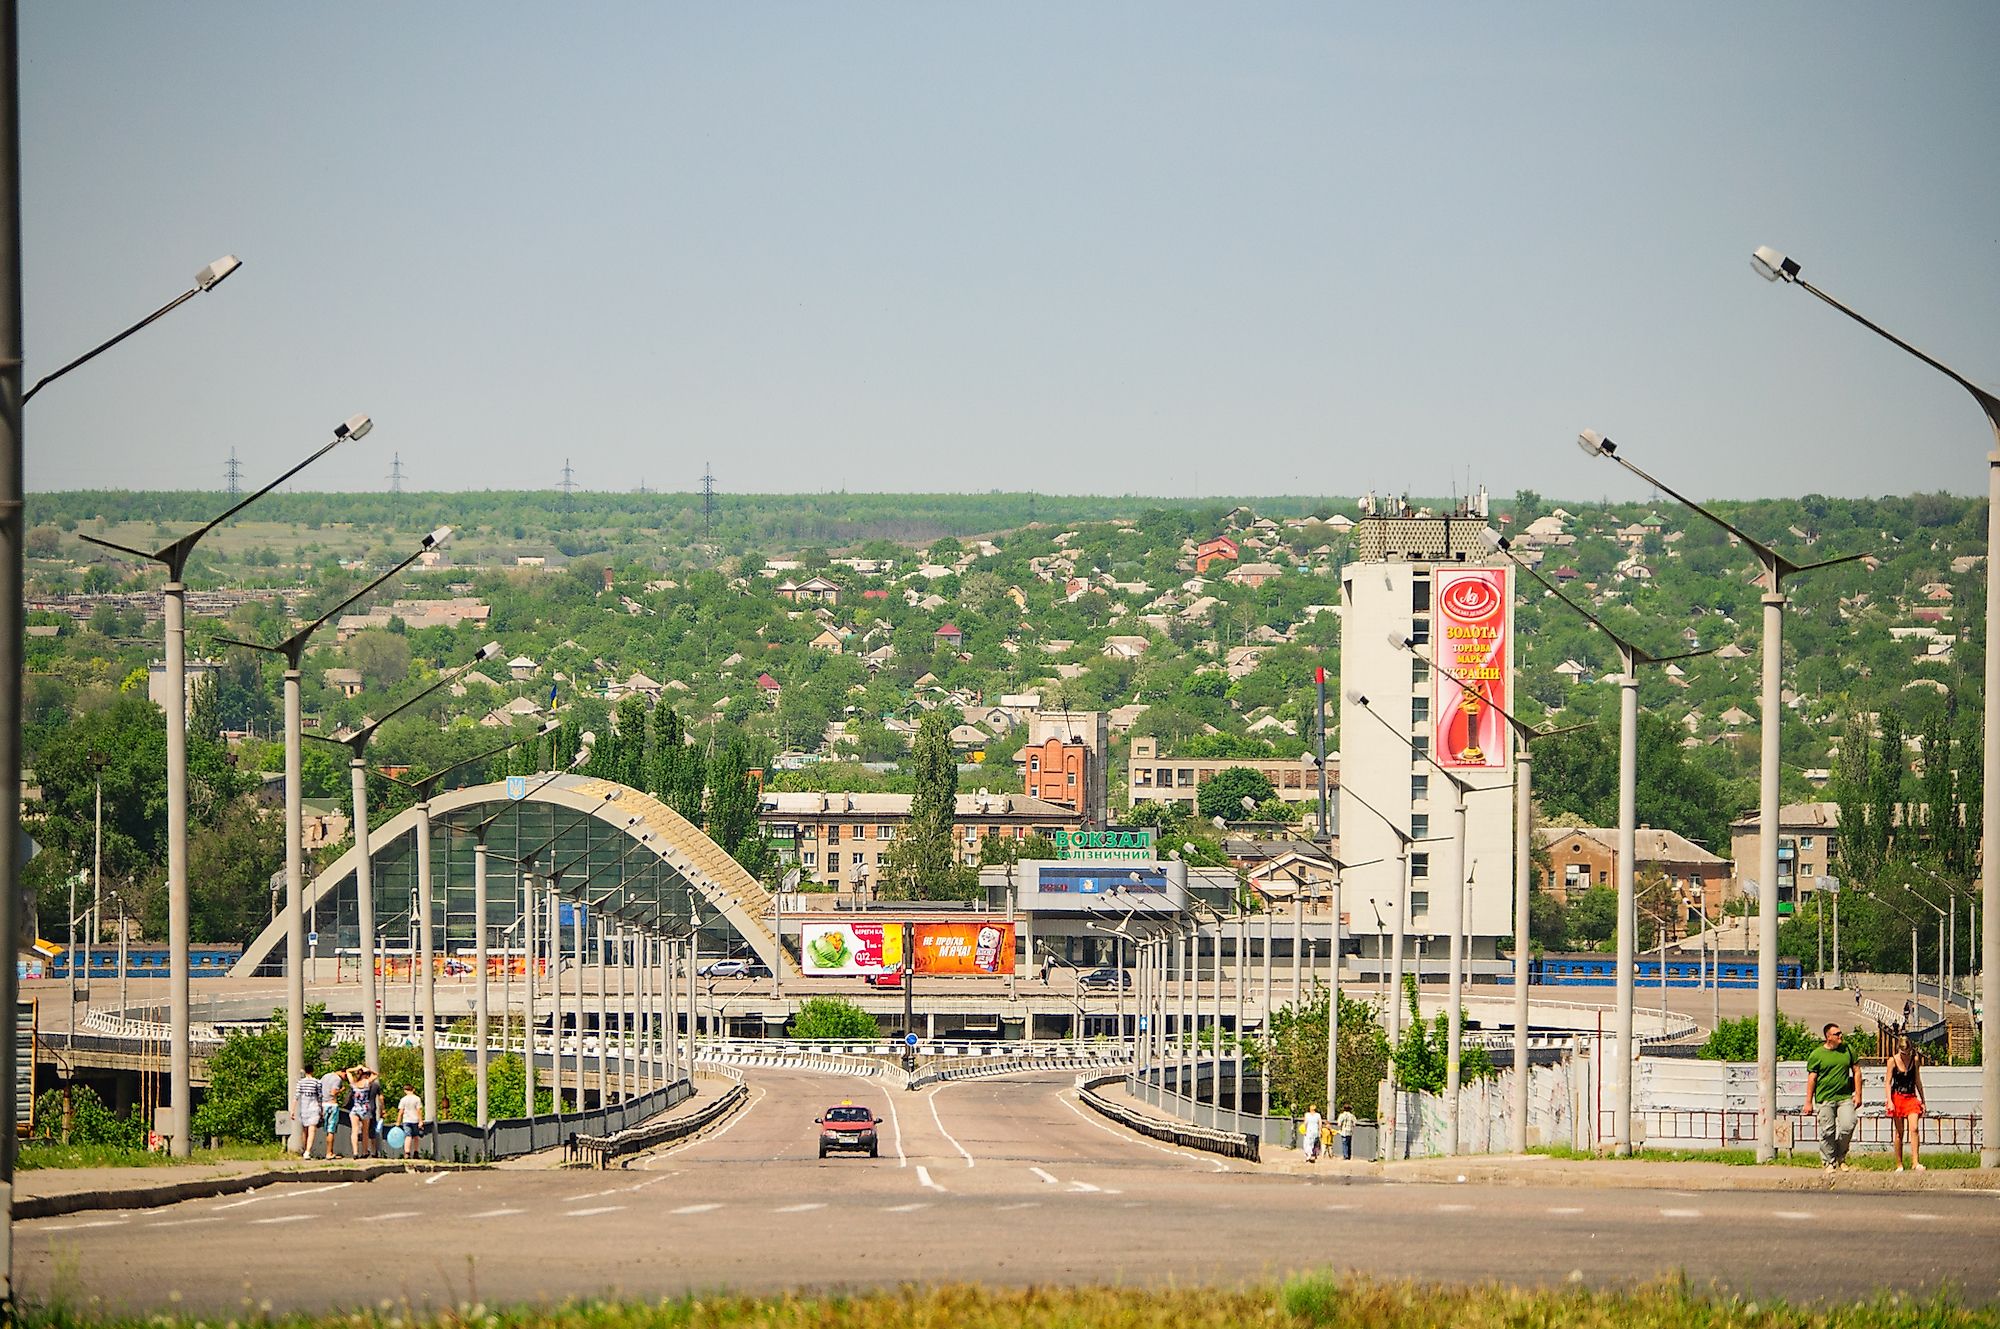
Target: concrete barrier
<point>599,1150</point>
<point>1229,1144</point>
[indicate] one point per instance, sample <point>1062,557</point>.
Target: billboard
<point>1472,635</point>
<point>1135,878</point>
<point>969,948</point>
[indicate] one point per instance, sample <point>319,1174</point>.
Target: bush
<point>91,1122</point>
<point>833,1017</point>
<point>1736,1040</point>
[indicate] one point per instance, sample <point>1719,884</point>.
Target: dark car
<point>847,1127</point>
<point>1104,978</point>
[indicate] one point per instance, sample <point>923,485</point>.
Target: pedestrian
<point>1833,1087</point>
<point>410,1109</point>
<point>308,1110</point>
<point>1309,1134</point>
<point>361,1110</point>
<point>1906,1101</point>
<point>1346,1122</point>
<point>330,1085</point>
<point>1326,1139</point>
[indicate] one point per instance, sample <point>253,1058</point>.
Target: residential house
<point>1672,873</point>
<point>813,590</point>
<point>1152,777</point>
<point>522,668</point>
<point>1215,549</point>
<point>828,640</point>
<point>1126,648</point>
<point>1252,575</point>
<point>1242,661</point>
<point>348,681</point>
<point>1808,845</point>
<point>948,637</point>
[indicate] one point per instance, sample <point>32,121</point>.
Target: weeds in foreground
<point>1800,1158</point>
<point>1307,1302</point>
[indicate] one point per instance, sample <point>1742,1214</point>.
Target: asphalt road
<point>1004,1181</point>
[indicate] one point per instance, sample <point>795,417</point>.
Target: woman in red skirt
<point>1906,1101</point>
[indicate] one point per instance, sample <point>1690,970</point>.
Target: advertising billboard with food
<point>875,948</point>
<point>1473,633</point>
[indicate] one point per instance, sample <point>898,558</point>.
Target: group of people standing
<point>357,1093</point>
<point>1316,1134</point>
<point>1833,1087</point>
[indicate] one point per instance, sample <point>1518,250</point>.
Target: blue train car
<point>1731,969</point>
<point>208,961</point>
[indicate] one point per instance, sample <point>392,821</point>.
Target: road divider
<point>1229,1144</point>
<point>598,1150</point>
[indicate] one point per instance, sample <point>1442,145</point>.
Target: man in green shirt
<point>1833,1087</point>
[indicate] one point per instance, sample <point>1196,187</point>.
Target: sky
<point>1154,248</point>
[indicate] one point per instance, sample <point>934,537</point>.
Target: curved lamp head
<point>1249,803</point>
<point>437,537</point>
<point>1595,444</point>
<point>1769,264</point>
<point>212,276</point>
<point>549,726</point>
<point>488,651</point>
<point>1495,542</point>
<point>1357,696</point>
<point>354,426</point>
<point>1401,641</point>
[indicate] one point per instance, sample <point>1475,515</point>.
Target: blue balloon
<point>395,1137</point>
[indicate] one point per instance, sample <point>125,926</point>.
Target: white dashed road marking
<point>797,1208</point>
<point>494,1213</point>
<point>1043,1175</point>
<point>600,1209</point>
<point>284,1218</point>
<point>1082,1188</point>
<point>1567,1209</point>
<point>1026,1204</point>
<point>1796,1215</point>
<point>183,1222</point>
<point>383,1218</point>
<point>904,1208</point>
<point>1680,1213</point>
<point>1454,1208</point>
<point>694,1208</point>
<point>1921,1218</point>
<point>102,1222</point>
<point>924,1178</point>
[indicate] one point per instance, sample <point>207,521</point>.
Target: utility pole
<point>12,530</point>
<point>707,501</point>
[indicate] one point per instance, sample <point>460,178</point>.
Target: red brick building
<point>1057,772</point>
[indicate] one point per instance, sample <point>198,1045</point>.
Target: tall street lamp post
<point>1774,266</point>
<point>207,279</point>
<point>356,742</point>
<point>1630,657</point>
<point>1524,876</point>
<point>175,558</point>
<point>293,650</point>
<point>1775,568</point>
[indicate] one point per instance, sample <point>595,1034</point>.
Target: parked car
<point>733,967</point>
<point>888,978</point>
<point>1106,977</point>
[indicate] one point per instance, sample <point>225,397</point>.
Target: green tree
<point>1736,1040</point>
<point>1295,1052</point>
<point>832,1017</point>
<point>1223,793</point>
<point>1423,1056</point>
<point>246,1078</point>
<point>923,863</point>
<point>732,798</point>
<point>230,865</point>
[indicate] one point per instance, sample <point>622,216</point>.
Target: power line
<point>232,472</point>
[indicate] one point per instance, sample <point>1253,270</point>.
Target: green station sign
<point>1103,846</point>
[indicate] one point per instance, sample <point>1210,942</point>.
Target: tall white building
<point>1428,578</point>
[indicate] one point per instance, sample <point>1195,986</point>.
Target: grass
<point>42,1154</point>
<point>1313,1300</point>
<point>1800,1158</point>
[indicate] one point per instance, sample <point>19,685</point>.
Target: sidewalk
<point>1589,1173</point>
<point>47,1192</point>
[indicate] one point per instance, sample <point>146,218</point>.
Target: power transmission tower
<point>232,472</point>
<point>568,485</point>
<point>396,474</point>
<point>707,500</point>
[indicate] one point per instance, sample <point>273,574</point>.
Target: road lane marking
<point>924,1178</point>
<point>101,1222</point>
<point>694,1209</point>
<point>644,1184</point>
<point>182,1222</point>
<point>1025,1204</point>
<point>758,1095</point>
<point>316,1190</point>
<point>593,1195</point>
<point>896,1122</point>
<point>797,1208</point>
<point>1454,1208</point>
<point>599,1209</point>
<point>933,1096</point>
<point>1680,1213</point>
<point>1796,1215</point>
<point>1043,1175</point>
<point>1215,1163</point>
<point>1921,1218</point>
<point>238,1204</point>
<point>495,1213</point>
<point>904,1208</point>
<point>1338,1208</point>
<point>1082,1188</point>
<point>383,1218</point>
<point>284,1218</point>
<point>1567,1209</point>
<point>432,1181</point>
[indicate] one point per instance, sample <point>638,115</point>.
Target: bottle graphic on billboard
<point>986,958</point>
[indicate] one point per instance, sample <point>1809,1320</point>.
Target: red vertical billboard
<point>1473,646</point>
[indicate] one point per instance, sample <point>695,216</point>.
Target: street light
<point>207,279</point>
<point>1524,874</point>
<point>1776,567</point>
<point>356,743</point>
<point>174,557</point>
<point>1774,266</point>
<point>1455,984</point>
<point>293,650</point>
<point>1630,657</point>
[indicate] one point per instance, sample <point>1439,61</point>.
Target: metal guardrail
<point>1227,1143</point>
<point>117,1026</point>
<point>779,1058</point>
<point>988,1069</point>
<point>598,1150</point>
<point>1727,1128</point>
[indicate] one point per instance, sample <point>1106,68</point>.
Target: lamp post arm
<point>1987,401</point>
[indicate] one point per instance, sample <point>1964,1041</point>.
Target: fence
<point>1230,1144</point>
<point>599,1150</point>
<point>462,1142</point>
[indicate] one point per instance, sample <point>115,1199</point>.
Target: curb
<point>175,1192</point>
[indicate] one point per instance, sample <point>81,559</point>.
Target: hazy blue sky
<point>1158,248</point>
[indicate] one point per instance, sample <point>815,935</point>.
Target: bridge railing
<point>598,1150</point>
<point>1230,1144</point>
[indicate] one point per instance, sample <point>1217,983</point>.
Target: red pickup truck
<point>848,1127</point>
